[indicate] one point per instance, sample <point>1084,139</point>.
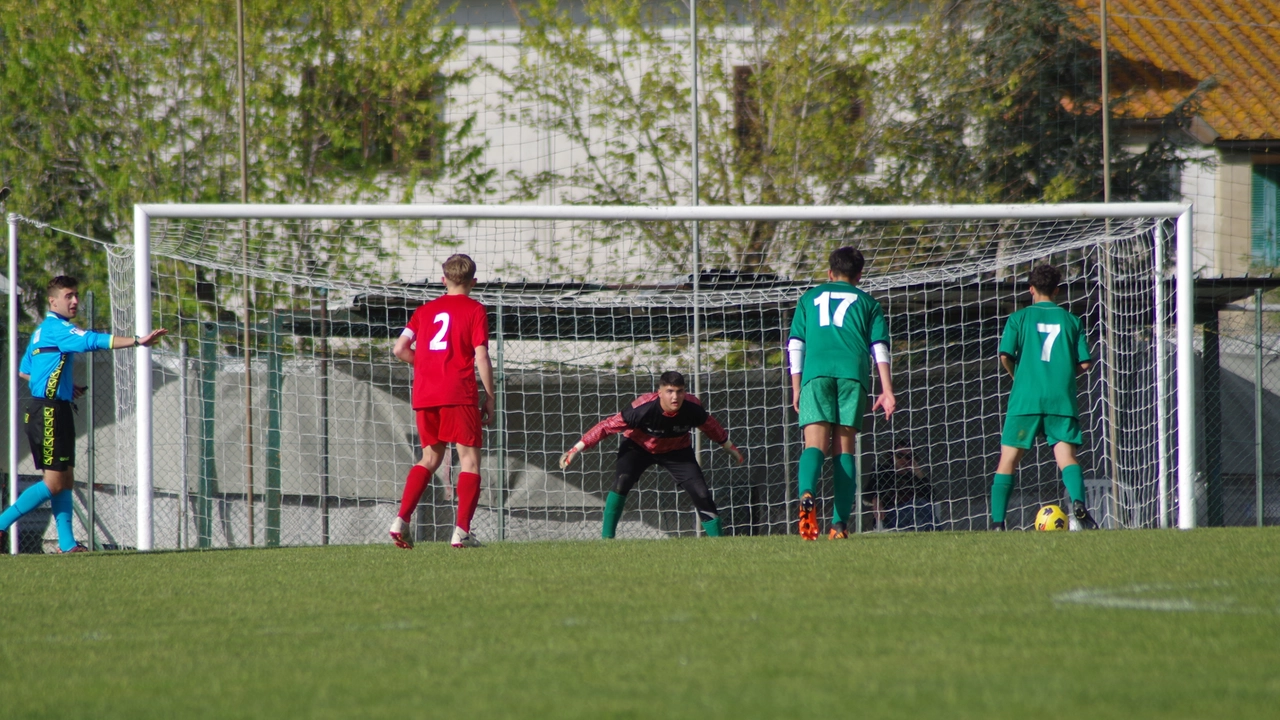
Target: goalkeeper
<point>655,430</point>
<point>48,364</point>
<point>1042,348</point>
<point>836,329</point>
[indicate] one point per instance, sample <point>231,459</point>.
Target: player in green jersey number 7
<point>1042,348</point>
<point>836,331</point>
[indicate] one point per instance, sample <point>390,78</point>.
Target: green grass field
<point>1108,624</point>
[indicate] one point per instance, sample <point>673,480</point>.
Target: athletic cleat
<point>463,539</point>
<point>997,526</point>
<point>838,532</point>
<point>77,548</point>
<point>808,518</point>
<point>400,534</point>
<point>1082,516</point>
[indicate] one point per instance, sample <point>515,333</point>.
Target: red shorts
<point>450,424</point>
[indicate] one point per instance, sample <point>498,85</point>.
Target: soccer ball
<point>1051,517</point>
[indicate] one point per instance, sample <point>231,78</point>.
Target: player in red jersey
<point>655,431</point>
<point>446,341</point>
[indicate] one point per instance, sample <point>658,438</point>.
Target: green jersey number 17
<point>823,303</point>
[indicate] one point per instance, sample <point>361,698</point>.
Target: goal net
<point>282,319</point>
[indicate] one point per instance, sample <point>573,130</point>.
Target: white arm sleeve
<point>880,351</point>
<point>795,348</point>
<point>407,333</point>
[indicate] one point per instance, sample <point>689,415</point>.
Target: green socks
<point>1000,488</point>
<point>712,526</point>
<point>1073,478</point>
<point>845,481</point>
<point>612,514</point>
<point>810,470</point>
<point>846,487</point>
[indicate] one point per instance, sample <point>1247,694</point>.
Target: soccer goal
<point>274,413</point>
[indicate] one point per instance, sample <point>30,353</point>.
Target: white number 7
<point>1052,330</point>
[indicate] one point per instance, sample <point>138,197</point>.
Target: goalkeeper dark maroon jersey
<point>645,424</point>
<point>446,333</point>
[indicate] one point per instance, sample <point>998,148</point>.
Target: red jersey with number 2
<point>447,332</point>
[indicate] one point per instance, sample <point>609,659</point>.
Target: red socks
<point>414,486</point>
<point>468,498</point>
<point>468,494</point>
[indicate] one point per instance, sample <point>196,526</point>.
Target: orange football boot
<point>808,518</point>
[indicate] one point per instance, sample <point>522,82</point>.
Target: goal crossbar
<point>677,213</point>
<point>1183,279</point>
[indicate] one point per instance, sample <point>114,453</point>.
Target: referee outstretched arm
<point>48,365</point>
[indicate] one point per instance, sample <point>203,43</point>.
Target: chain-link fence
<point>1240,415</point>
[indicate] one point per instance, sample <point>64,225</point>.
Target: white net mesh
<point>583,317</point>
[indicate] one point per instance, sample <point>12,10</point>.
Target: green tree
<point>783,109</point>
<point>114,102</point>
<point>1002,104</point>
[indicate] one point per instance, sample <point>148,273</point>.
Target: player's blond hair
<point>460,269</point>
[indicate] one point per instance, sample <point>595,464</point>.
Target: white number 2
<point>823,302</point>
<point>438,342</point>
<point>1052,330</point>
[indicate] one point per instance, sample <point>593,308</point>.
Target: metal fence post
<point>208,464</point>
<point>91,446</point>
<point>271,489</point>
<point>1257,401</point>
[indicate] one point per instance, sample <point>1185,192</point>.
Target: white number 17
<point>823,302</point>
<point>1052,330</point>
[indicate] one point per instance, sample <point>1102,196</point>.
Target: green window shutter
<point>1265,226</point>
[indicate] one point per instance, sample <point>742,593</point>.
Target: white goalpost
<point>1153,215</point>
<point>587,305</point>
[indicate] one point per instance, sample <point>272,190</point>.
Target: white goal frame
<point>1183,283</point>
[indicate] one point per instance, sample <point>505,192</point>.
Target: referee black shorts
<point>51,430</point>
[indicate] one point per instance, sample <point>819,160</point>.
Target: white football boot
<point>462,538</point>
<point>401,534</point>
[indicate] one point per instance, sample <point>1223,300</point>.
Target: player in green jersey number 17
<point>1042,348</point>
<point>836,332</point>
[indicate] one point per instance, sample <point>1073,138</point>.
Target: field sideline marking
<point>1139,597</point>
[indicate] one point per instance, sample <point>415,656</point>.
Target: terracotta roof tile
<point>1171,46</point>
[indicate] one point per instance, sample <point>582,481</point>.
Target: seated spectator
<point>900,493</point>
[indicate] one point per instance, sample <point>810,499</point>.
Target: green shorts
<point>838,401</point>
<point>1021,430</point>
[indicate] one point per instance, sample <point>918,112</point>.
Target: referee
<point>51,430</point>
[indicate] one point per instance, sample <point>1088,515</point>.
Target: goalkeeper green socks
<point>846,487</point>
<point>712,527</point>
<point>612,514</point>
<point>1073,478</point>
<point>1000,488</point>
<point>810,470</point>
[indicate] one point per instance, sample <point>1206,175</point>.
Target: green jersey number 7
<point>1046,347</point>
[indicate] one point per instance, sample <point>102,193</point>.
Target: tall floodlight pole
<point>1106,113</point>
<point>244,259</point>
<point>693,200</point>
<point>1109,285</point>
